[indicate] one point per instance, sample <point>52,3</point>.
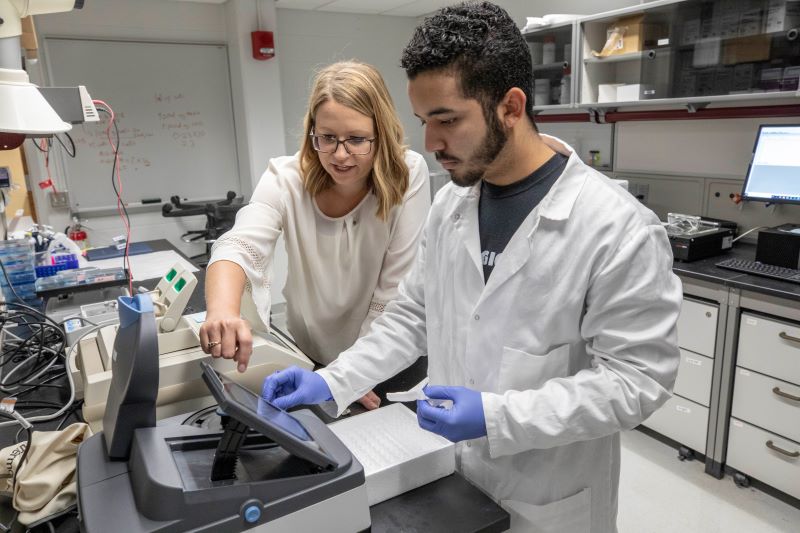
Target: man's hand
<point>295,386</point>
<point>227,337</point>
<point>463,421</point>
<point>370,401</point>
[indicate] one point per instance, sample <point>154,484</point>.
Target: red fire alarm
<point>263,45</point>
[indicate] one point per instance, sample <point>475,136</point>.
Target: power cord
<point>7,409</point>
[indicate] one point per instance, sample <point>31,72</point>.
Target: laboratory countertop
<point>706,270</point>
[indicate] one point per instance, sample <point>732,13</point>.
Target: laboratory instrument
<point>181,388</point>
<point>268,470</point>
<point>693,237</point>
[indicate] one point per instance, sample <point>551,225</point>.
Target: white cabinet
<point>764,433</point>
<point>683,421</point>
<point>694,377</point>
<point>684,418</point>
<point>697,327</point>
<point>765,456</point>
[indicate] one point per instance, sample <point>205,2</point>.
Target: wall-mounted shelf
<point>678,55</point>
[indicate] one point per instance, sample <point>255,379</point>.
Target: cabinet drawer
<point>681,420</point>
<point>694,377</point>
<point>697,327</point>
<point>770,347</point>
<point>748,452</point>
<point>767,402</point>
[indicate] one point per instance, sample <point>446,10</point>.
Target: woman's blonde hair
<point>360,87</point>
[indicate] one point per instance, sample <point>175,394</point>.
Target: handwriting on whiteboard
<point>172,121</point>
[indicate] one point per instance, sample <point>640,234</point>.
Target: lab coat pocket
<point>571,515</point>
<point>523,371</point>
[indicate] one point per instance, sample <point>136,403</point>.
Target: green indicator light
<point>181,283</point>
<point>171,275</point>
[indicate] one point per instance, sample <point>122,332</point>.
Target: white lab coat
<point>572,339</point>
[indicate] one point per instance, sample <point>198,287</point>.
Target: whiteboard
<point>173,107</point>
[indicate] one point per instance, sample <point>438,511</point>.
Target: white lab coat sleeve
<point>403,242</point>
<point>396,339</point>
<point>632,306</point>
<point>251,242</point>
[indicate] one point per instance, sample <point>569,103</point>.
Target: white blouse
<point>341,271</point>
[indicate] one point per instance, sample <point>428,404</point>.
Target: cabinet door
<point>694,377</point>
<point>683,421</point>
<point>770,346</point>
<point>765,456</point>
<point>767,402</point>
<point>697,327</point>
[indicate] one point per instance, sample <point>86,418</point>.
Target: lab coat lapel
<point>464,219</point>
<point>556,206</point>
<point>514,257</point>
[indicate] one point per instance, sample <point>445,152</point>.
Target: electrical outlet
<point>59,199</point>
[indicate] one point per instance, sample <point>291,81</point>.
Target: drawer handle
<point>786,395</point>
<point>793,455</point>
<point>785,336</point>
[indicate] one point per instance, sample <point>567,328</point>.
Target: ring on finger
<point>211,344</point>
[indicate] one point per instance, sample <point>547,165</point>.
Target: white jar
<point>566,85</point>
<point>549,50</point>
<point>541,91</point>
<point>536,52</point>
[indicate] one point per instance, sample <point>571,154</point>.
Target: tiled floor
<point>660,494</point>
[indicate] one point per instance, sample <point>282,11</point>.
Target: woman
<point>350,205</point>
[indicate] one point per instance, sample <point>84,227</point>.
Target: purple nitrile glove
<point>463,421</point>
<point>295,386</point>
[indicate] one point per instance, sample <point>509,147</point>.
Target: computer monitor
<point>774,173</point>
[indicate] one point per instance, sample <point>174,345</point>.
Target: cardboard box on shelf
<point>723,80</point>
<point>782,15</point>
<point>771,79</point>
<point>624,36</point>
<point>751,22</point>
<point>791,79</point>
<point>743,77</point>
<point>746,49</point>
<point>634,92</point>
<point>607,92</point>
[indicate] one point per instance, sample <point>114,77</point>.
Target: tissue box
<point>607,92</point>
<point>630,92</point>
<point>397,455</point>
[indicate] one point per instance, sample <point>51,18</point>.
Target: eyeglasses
<point>328,144</point>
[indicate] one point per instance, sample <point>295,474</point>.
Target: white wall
<point>309,40</point>
<point>255,85</point>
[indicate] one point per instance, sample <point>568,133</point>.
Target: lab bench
<point>736,399</point>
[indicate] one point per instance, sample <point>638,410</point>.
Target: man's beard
<point>493,142</point>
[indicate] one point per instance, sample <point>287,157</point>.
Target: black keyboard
<point>760,269</point>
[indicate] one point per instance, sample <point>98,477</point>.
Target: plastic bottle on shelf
<point>541,91</point>
<point>566,86</point>
<point>549,50</point>
<point>536,52</point>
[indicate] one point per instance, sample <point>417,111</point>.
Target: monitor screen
<point>774,173</point>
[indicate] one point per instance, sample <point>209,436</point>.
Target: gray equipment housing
<point>166,486</point>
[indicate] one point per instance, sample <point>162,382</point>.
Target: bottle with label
<point>549,50</point>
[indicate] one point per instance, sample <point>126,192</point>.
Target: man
<point>542,292</point>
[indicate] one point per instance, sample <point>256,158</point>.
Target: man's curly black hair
<point>479,42</point>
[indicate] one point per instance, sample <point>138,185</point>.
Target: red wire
<point>46,150</point>
<point>126,258</point>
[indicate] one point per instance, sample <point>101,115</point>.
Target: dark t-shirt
<point>502,209</point>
